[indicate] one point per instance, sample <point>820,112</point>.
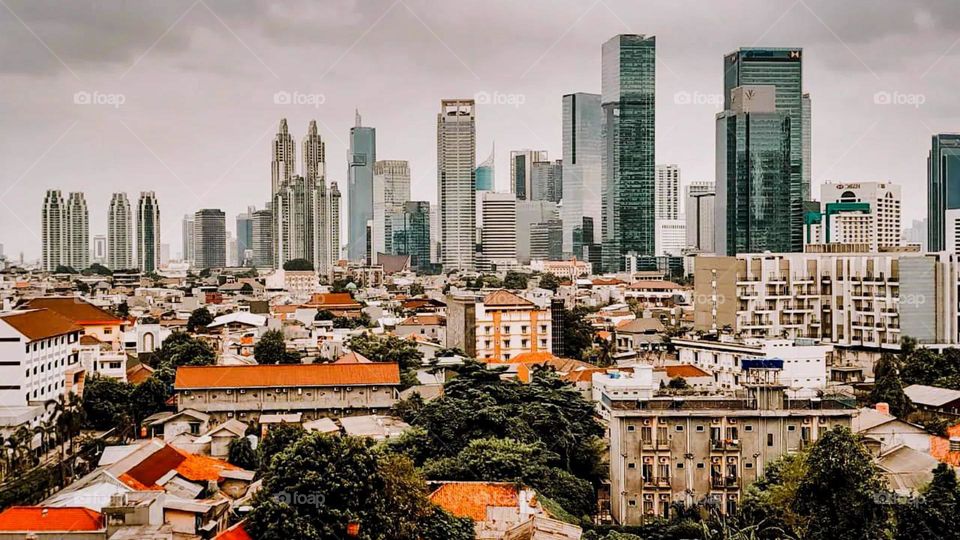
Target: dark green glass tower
<point>943,187</point>
<point>753,175</point>
<point>628,86</point>
<point>781,68</point>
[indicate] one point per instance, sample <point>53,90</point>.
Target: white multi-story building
<point>667,192</point>
<point>670,236</point>
<point>40,361</point>
<point>457,192</point>
<point>884,201</point>
<point>53,226</point>
<point>804,361</point>
<point>498,237</point>
<point>847,299</point>
<point>77,233</point>
<point>119,233</point>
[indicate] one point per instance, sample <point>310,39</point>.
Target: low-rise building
<point>499,327</point>
<point>668,447</point>
<point>314,390</point>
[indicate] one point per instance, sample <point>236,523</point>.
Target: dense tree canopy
<point>550,281</point>
<point>888,388</point>
<point>241,454</point>
<point>515,280</point>
<point>298,265</point>
<point>577,331</point>
<point>106,401</point>
<point>272,349</point>
<point>390,348</point>
<point>199,318</point>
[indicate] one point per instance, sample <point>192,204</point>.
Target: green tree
<point>98,269</point>
<point>180,349</point>
<point>930,516</point>
<point>123,310</point>
<point>442,525</point>
<point>416,289</point>
<point>678,383</point>
<point>324,315</point>
<point>550,281</point>
<point>298,265</point>
<point>63,269</point>
<point>246,288</point>
<point>888,388</point>
<point>241,454</point>
<point>278,438</point>
<point>578,333</point>
<point>106,402</point>
<point>199,318</point>
<point>148,397</point>
<point>837,498</point>
<point>272,349</point>
<point>390,348</point>
<point>515,280</point>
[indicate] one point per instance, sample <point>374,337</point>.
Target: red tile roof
<point>684,370</point>
<point>193,467</point>
<point>333,300</point>
<point>471,499</point>
<point>76,309</point>
<point>40,323</point>
<point>283,375</point>
<point>50,519</point>
<point>430,319</point>
<point>237,532</point>
<point>505,298</point>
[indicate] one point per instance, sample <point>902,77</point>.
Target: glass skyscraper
<point>783,69</point>
<point>582,186</point>
<point>627,99</point>
<point>753,171</point>
<point>412,237</point>
<point>362,156</point>
<point>943,191</point>
<point>485,173</point>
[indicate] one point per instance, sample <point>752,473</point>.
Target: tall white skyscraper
<point>391,189</point>
<point>305,214</point>
<point>667,192</point>
<point>53,218</point>
<point>498,237</point>
<point>187,238</point>
<point>283,157</point>
<point>521,171</point>
<point>456,163</point>
<point>361,157</point>
<point>77,232</point>
<point>119,233</point>
<point>699,211</point>
<point>148,232</point>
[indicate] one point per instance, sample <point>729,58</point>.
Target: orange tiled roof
<point>76,309</point>
<point>334,300</point>
<point>144,475</point>
<point>284,375</point>
<point>471,499</point>
<point>685,370</point>
<point>423,320</point>
<point>237,532</point>
<point>505,298</point>
<point>609,281</point>
<point>139,373</point>
<point>353,357</point>
<point>40,323</point>
<point>50,519</point>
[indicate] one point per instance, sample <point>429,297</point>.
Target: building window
<point>769,439</point>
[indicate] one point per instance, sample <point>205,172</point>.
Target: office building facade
<point>456,185</point>
<point>148,232</point>
<point>547,181</point>
<point>628,101</point>
<point>498,237</point>
<point>700,199</point>
<point>362,155</point>
<point>53,229</point>
<point>581,211</point>
<point>486,177</point>
<point>943,190</point>
<point>521,171</point>
<point>210,238</point>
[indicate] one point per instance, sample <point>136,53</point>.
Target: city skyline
<point>865,90</point>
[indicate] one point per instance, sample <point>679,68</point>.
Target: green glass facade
<point>753,173</point>
<point>628,86</point>
<point>943,187</point>
<point>413,236</point>
<point>783,69</point>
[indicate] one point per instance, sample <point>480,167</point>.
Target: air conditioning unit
<point>243,391</point>
<point>732,421</point>
<point>646,421</point>
<point>229,392</point>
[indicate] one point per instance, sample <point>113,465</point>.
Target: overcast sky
<point>187,108</point>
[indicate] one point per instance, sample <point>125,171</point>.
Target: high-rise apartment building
<point>521,171</point>
<point>781,68</point>
<point>245,237</point>
<point>456,167</point>
<point>119,233</point>
<point>77,232</point>
<point>754,181</point>
<point>362,155</point>
<point>498,238</point>
<point>581,175</point>
<point>284,157</point>
<point>210,238</point>
<point>943,191</point>
<point>700,198</point>
<point>671,237</point>
<point>628,84</point>
<point>53,227</point>
<point>261,238</point>
<point>148,232</point>
<point>486,178</point>
<point>186,231</point>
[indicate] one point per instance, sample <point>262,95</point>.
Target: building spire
<point>312,130</point>
<point>357,113</point>
<point>283,125</point>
